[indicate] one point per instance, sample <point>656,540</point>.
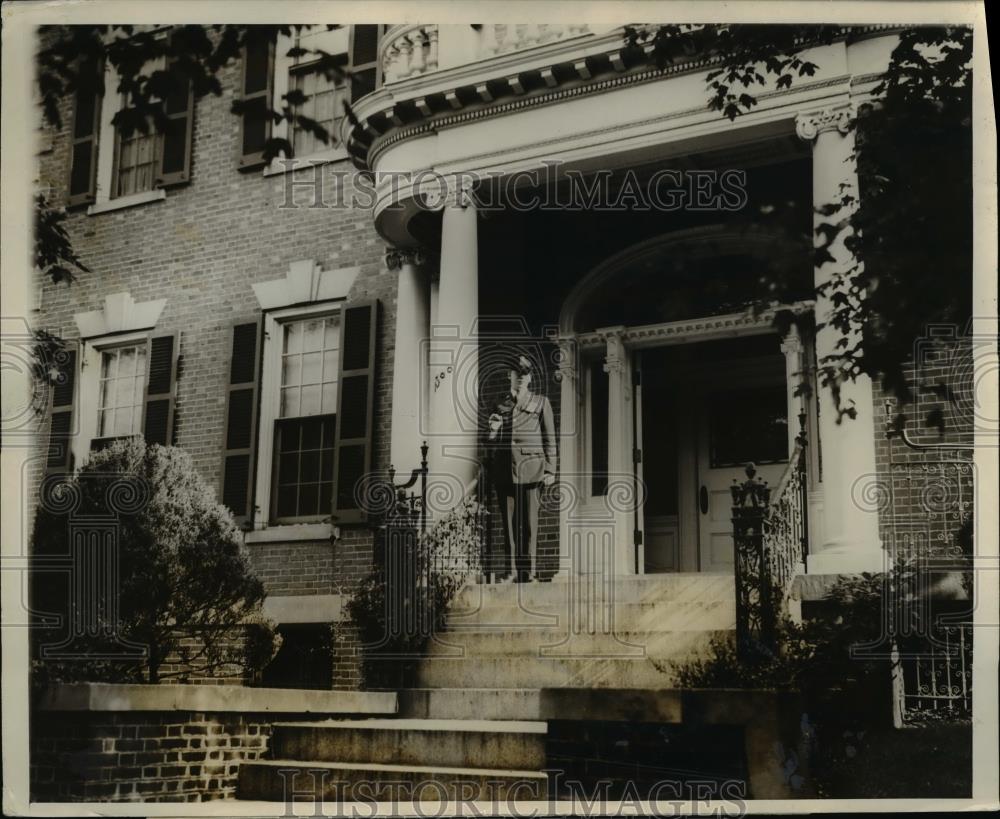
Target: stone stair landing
<point>631,632</point>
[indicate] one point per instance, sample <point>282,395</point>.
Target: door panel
<point>739,425</point>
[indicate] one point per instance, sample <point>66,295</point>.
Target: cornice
<point>385,125</point>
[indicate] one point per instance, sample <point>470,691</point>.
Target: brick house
<point>296,325</point>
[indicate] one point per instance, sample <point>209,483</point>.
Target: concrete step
<point>458,743</point>
<point>669,615</point>
<point>277,780</point>
<point>588,590</point>
<point>519,645</point>
<point>545,672</point>
<point>603,704</point>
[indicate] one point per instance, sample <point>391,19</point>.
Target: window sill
<point>287,533</point>
<point>281,166</point>
<point>130,201</point>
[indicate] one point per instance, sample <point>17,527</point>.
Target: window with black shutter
<point>355,406</point>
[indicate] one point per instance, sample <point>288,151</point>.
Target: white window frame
<point>91,351</point>
<point>283,65</point>
<point>270,402</point>
<point>107,150</point>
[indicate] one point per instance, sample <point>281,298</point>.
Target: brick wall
<point>153,756</point>
<point>925,495</point>
<point>202,249</point>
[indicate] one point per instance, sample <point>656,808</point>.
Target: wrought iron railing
<point>927,527</point>
<point>770,541</point>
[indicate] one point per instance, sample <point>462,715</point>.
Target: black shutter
<point>256,94</point>
<point>161,381</point>
<point>240,431</point>
<point>355,399</point>
<point>60,456</point>
<point>86,127</point>
<point>175,155</point>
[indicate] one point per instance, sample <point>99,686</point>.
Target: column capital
<point>810,124</point>
<point>566,360</point>
<point>614,359</point>
<point>396,257</point>
<point>791,342</point>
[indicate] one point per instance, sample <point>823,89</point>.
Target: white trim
<point>291,533</point>
<point>213,698</point>
<point>130,201</point>
<point>120,313</point>
<point>90,385</point>
<point>304,608</point>
<point>270,392</point>
<point>303,283</point>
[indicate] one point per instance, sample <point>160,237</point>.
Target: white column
<point>791,346</point>
<point>454,354</point>
<point>569,439</point>
<point>409,366</point>
<point>850,540</point>
<point>621,492</point>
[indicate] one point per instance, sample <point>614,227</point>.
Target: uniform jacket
<point>525,449</point>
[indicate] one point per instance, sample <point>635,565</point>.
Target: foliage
<point>185,590</point>
<point>54,254</point>
<point>814,655</point>
<point>403,601</point>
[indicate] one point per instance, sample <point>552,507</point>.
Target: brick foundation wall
<point>159,756</point>
<point>171,745</point>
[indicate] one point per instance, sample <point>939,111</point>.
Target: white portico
<point>447,114</point>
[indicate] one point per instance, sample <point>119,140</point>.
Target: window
<point>108,163</point>
<point>296,66</point>
<point>305,426</point>
<point>137,162</point>
<point>299,415</point>
<point>122,391</point>
<point>127,383</point>
<point>748,425</point>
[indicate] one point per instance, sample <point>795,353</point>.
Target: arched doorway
<point>679,384</point>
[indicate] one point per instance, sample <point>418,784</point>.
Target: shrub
<point>403,601</point>
<point>185,602</point>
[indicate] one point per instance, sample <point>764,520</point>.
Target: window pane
<point>304,448</point>
<point>312,368</point>
<point>748,426</point>
<point>290,402</point>
<point>310,400</point>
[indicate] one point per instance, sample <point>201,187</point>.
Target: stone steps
<point>457,743</point>
<point>545,672</point>
<point>277,780</point>
<point>587,590</point>
<point>662,616</point>
<point>521,644</point>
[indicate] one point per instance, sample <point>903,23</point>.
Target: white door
<point>738,424</point>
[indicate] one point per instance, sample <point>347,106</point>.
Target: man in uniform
<point>522,441</point>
